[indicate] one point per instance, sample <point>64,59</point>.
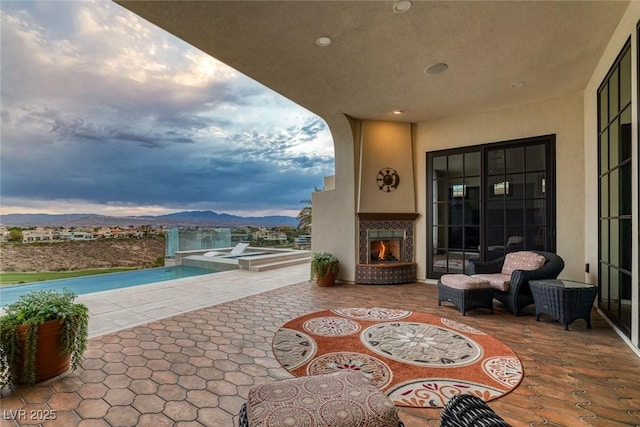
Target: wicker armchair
<point>466,410</point>
<point>518,296</point>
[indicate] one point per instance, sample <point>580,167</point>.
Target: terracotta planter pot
<point>49,362</point>
<point>328,280</point>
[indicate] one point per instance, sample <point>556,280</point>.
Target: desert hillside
<point>65,256</point>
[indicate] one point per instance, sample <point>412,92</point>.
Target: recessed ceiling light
<point>437,68</point>
<point>397,112</point>
<point>324,41</point>
<point>402,6</point>
<point>518,84</point>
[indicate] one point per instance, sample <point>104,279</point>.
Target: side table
<point>565,300</point>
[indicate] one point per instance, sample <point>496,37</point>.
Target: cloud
<point>102,110</point>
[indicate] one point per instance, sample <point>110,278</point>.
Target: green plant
<point>32,310</point>
<point>324,264</point>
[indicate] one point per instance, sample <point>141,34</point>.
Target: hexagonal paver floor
<point>196,369</point>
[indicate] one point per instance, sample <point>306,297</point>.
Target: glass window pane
<point>535,158</point>
<point>439,166</point>
<point>613,95</point>
<point>515,239</point>
<point>604,196</point>
<point>440,238</point>
<point>468,257</point>
<point>455,213</point>
<point>535,238</point>
<point>495,213</point>
<point>516,186</point>
<point>472,164</point>
<point>604,248</point>
<point>614,203</point>
<point>535,186</point>
<point>495,237</point>
<point>625,195</point>
<point>514,160</point>
<point>625,294</point>
<point>440,261</point>
<point>472,238</point>
<point>456,189</point>
<point>614,144</point>
<point>455,238</point>
<point>495,162</point>
<point>604,152</point>
<point>472,212</point>
<point>455,165</point>
<point>514,212</point>
<point>441,193</point>
<point>440,214</point>
<point>604,107</point>
<point>534,212</point>
<point>625,244</point>
<point>614,290</point>
<point>625,134</point>
<point>497,187</point>
<point>614,252</point>
<point>604,285</point>
<point>625,79</point>
<point>473,188</point>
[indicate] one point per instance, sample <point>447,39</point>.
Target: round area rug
<point>418,359</point>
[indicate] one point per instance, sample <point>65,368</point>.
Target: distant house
<point>277,236</point>
<point>39,235</point>
<point>76,235</point>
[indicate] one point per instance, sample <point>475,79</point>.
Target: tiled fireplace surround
<point>386,273</point>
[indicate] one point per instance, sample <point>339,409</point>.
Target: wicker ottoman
<point>465,292</point>
<point>339,399</point>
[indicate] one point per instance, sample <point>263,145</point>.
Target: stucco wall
<point>334,219</point>
<point>386,145</point>
<point>560,116</point>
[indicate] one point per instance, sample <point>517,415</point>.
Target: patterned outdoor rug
<point>417,359</point>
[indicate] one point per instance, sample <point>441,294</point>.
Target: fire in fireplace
<point>386,246</point>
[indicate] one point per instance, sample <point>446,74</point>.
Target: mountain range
<point>178,219</point>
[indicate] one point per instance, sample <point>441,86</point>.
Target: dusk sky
<point>102,112</point>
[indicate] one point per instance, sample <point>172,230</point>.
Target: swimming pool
<point>103,282</point>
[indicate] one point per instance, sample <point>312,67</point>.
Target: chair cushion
<point>497,281</point>
<point>339,399</point>
<point>522,260</point>
<point>462,281</point>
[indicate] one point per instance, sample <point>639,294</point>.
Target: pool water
<point>103,282</point>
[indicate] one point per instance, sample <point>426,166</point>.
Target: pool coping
<point>118,309</point>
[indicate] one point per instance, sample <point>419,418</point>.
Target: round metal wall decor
<point>388,180</point>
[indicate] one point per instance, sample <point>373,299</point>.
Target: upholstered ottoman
<point>339,399</point>
<point>465,292</point>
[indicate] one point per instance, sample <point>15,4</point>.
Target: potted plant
<point>42,334</point>
<point>324,268</point>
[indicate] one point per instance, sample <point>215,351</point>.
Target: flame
<point>382,250</point>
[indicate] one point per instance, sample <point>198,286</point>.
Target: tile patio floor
<point>196,368</point>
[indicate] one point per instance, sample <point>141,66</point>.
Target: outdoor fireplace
<point>386,246</point>
<point>386,249</point>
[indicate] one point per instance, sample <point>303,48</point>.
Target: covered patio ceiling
<point>377,59</point>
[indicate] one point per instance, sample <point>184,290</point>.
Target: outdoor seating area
<point>505,279</point>
<point>199,366</point>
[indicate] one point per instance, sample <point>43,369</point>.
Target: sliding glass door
<point>489,200</point>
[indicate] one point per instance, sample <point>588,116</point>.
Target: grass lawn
<point>12,278</point>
